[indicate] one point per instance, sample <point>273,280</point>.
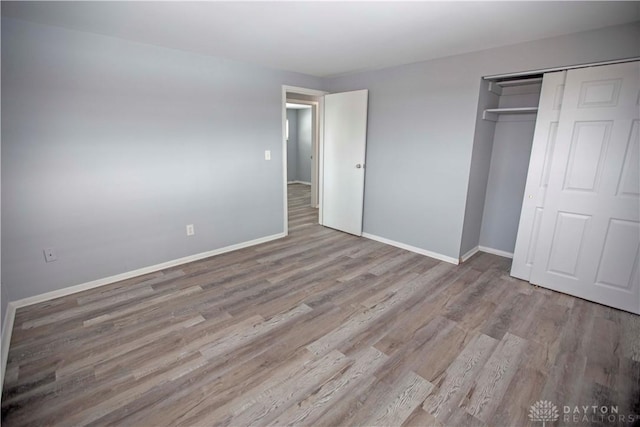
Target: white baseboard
<point>415,249</point>
<point>469,254</point>
<point>299,182</point>
<point>485,249</point>
<point>7,326</point>
<point>495,252</point>
<point>141,271</point>
<point>7,329</point>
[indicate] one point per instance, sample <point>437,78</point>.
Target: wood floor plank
<point>367,316</point>
<point>401,291</point>
<point>628,386</point>
<point>151,302</point>
<point>511,309</point>
<point>198,399</point>
<point>103,408</point>
<point>601,367</point>
<point>319,328</point>
<point>263,363</point>
<point>411,356</point>
<point>454,384</point>
<point>433,360</point>
<point>407,395</point>
<point>495,377</point>
<point>421,418</point>
<point>306,411</point>
<point>92,360</point>
<point>357,409</point>
<point>110,292</point>
<point>267,403</point>
<point>229,342</point>
<point>527,386</point>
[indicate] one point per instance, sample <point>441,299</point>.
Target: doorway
<point>337,168</point>
<point>302,117</point>
<point>300,135</point>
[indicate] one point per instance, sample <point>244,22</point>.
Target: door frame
<point>317,150</point>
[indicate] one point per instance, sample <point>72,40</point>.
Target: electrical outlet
<point>50,254</point>
<point>190,230</point>
<point>267,155</point>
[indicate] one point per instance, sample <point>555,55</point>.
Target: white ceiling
<point>329,38</point>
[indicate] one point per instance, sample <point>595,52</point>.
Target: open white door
<point>538,175</point>
<point>345,137</point>
<point>589,238</point>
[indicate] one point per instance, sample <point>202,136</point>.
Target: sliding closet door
<point>538,176</point>
<point>589,235</point>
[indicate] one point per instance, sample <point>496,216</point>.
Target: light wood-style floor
<point>320,328</point>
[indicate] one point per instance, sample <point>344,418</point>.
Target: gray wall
<point>512,142</point>
<point>479,170</point>
<point>299,145</point>
<point>109,148</point>
<point>505,187</point>
<point>304,145</point>
<point>292,145</point>
<point>422,119</point>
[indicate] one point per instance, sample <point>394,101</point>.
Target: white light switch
<point>267,155</point>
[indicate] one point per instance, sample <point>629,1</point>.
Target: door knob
<point>358,166</point>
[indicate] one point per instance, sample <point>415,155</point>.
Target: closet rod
<point>549,70</point>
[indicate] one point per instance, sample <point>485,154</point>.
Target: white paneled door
<point>345,136</point>
<point>538,175</point>
<point>589,238</point>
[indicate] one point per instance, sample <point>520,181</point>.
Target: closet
<point>510,117</point>
<point>579,221</point>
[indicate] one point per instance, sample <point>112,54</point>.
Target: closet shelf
<point>493,113</point>
<point>497,86</point>
<point>520,82</point>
